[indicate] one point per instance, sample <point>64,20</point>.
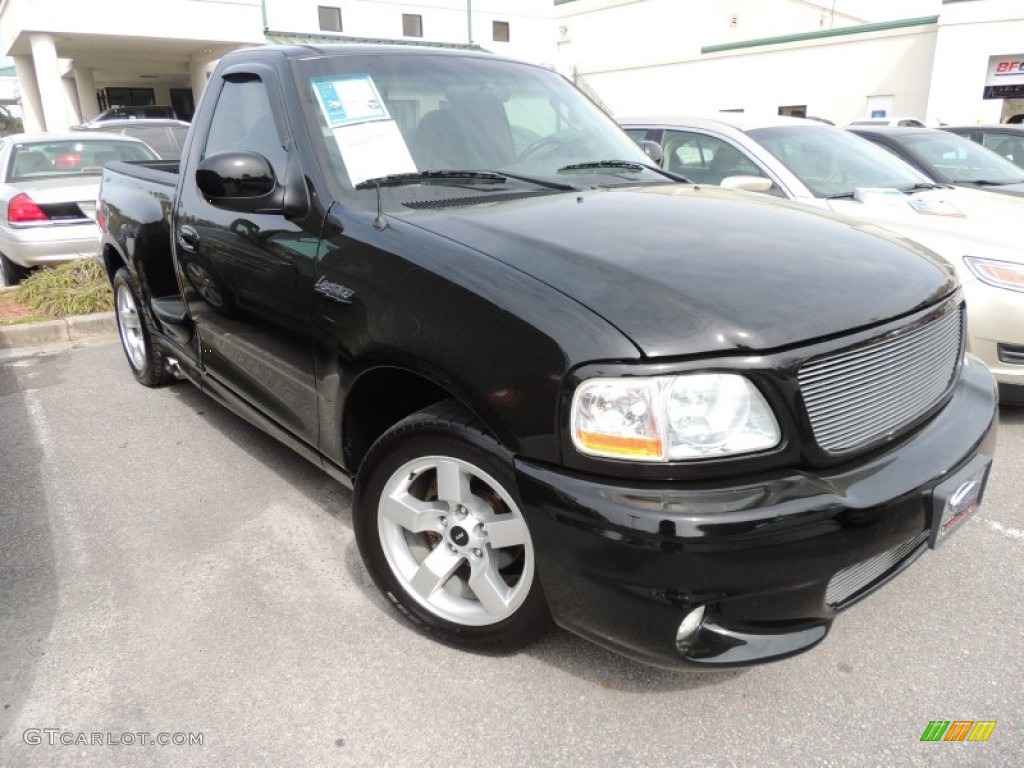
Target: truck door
<point>247,277</point>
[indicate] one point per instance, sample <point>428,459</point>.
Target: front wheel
<point>147,361</point>
<point>439,526</point>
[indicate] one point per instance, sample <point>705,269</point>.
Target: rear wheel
<point>11,273</point>
<point>439,525</point>
<point>146,360</point>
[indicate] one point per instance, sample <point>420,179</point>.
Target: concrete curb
<point>67,329</point>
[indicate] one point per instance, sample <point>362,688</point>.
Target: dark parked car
<point>151,111</point>
<point>165,137</point>
<point>948,159</point>
<point>690,424</point>
<point>1004,140</point>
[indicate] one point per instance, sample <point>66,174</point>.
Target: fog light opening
<point>689,628</point>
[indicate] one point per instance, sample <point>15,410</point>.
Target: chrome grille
<point>857,397</point>
<point>850,581</point>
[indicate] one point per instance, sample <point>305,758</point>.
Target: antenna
<point>380,222</point>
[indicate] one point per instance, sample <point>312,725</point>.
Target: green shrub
<point>78,287</point>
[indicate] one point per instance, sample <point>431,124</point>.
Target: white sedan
<point>48,188</point>
<point>827,167</point>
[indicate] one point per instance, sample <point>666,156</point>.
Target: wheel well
<point>112,261</point>
<point>379,400</point>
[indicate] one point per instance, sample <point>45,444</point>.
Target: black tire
<point>462,609</point>
<point>146,360</point>
<point>11,273</point>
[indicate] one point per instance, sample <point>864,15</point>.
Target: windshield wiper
<point>397,179</point>
<point>840,196</point>
<point>987,182</point>
<point>490,177</point>
<point>922,186</point>
<point>540,182</point>
<point>626,165</point>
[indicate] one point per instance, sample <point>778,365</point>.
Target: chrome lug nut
<point>478,553</point>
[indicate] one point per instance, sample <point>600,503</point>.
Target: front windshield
<point>832,162</point>
<point>954,159</point>
<point>414,111</point>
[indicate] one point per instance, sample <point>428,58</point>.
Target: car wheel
<point>11,273</point>
<point>439,524</point>
<point>146,360</point>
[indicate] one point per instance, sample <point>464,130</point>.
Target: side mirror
<point>239,181</point>
<point>654,151</point>
<point>749,183</point>
<point>245,182</point>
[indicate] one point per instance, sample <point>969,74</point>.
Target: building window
<point>796,110</point>
<point>126,97</point>
<point>330,18</point>
<point>499,31</point>
<point>412,25</point>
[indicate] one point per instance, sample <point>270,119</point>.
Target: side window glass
<point>637,134</point>
<point>243,120</point>
<point>1010,147</point>
<point>706,159</point>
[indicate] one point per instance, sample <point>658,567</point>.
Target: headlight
<point>668,418</point>
<point>1001,274</point>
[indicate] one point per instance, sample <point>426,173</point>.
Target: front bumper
<point>995,319</point>
<point>622,565</point>
<point>51,243</point>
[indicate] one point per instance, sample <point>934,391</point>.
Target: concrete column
<point>71,107</point>
<point>51,92</point>
<point>85,84</point>
<point>31,106</point>
<point>197,73</point>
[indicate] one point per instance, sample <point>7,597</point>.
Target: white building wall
<point>447,21</point>
<point>228,20</point>
<point>832,77</point>
<point>969,33</point>
<point>613,34</point>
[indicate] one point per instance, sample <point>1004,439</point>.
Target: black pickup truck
<point>689,424</point>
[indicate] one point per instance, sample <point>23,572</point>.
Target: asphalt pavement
<point>168,573</point>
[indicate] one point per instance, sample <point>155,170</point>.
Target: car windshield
<point>77,157</point>
<point>832,162</point>
<point>406,113</point>
<point>954,159</point>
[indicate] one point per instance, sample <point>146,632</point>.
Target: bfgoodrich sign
<point>1005,78</point>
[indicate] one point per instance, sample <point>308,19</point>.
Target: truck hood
<point>697,270</point>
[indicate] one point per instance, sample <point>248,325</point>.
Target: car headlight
<point>1001,274</point>
<point>669,418</point>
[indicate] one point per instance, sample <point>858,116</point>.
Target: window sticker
<point>349,100</point>
<point>369,140</point>
<point>374,149</point>
<point>935,207</point>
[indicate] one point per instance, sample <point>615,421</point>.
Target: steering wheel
<point>837,176</point>
<point>554,141</point>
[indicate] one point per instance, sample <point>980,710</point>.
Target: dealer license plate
<point>957,499</point>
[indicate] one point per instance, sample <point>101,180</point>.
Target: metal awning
<point>325,38</point>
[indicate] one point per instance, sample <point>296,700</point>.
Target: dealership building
<point>963,63</point>
<point>960,61</point>
<point>74,58</point>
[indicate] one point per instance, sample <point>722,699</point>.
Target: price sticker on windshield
<point>349,100</point>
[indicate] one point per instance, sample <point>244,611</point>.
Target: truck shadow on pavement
<point>559,648</point>
<point>29,591</point>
